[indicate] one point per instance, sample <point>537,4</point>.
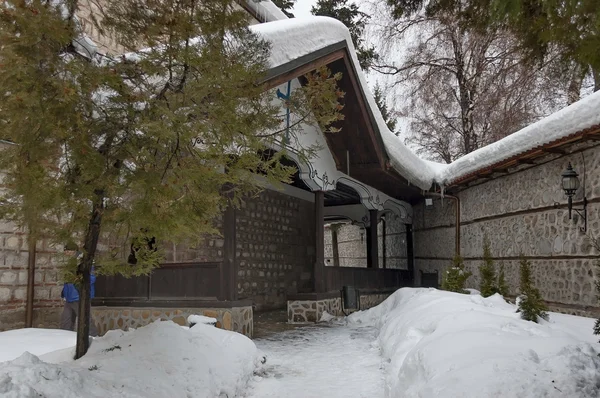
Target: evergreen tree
<point>502,285</point>
<point>388,117</point>
<point>149,147</point>
<point>455,277</point>
<point>531,305</point>
<point>286,6</point>
<point>355,20</point>
<point>487,284</point>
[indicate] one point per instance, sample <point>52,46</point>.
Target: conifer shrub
<point>531,305</point>
<point>455,277</point>
<point>502,285</point>
<point>487,271</point>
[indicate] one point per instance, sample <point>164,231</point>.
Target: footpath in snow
<point>329,360</point>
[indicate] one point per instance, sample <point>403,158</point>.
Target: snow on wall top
<point>570,120</point>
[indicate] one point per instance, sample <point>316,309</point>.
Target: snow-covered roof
<point>298,37</point>
<point>266,10</point>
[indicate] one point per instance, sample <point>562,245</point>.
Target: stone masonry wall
<point>517,213</point>
<point>13,281</point>
<point>311,311</point>
<point>352,244</point>
<point>237,319</point>
<point>275,248</point>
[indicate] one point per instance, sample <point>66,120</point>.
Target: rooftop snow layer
<point>266,10</point>
<point>297,37</point>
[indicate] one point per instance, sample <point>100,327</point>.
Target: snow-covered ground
<point>159,360</point>
<point>442,344</point>
<point>332,360</point>
<point>418,343</point>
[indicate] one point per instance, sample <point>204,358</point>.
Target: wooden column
<point>334,244</point>
<point>319,282</point>
<point>229,265</point>
<point>372,241</point>
<point>410,258</point>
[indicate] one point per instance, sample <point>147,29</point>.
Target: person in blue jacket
<point>70,296</point>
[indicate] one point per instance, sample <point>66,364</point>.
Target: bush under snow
<point>443,344</point>
<point>159,360</point>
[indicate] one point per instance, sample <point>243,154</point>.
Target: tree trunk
<point>596,74</point>
<point>85,268</point>
<point>575,83</point>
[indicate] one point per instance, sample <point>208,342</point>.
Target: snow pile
<point>159,360</point>
<point>454,345</point>
<point>205,320</point>
<point>37,341</point>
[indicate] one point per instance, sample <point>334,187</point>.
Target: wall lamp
<point>570,184</point>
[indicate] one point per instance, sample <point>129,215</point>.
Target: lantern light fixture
<point>570,185</point>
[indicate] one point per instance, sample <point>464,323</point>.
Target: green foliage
<point>543,28</point>
<point>531,305</point>
<point>355,20</point>
<point>141,142</point>
<point>487,272</point>
<point>387,114</point>
<point>455,277</point>
<point>502,285</point>
<point>149,146</point>
<point>286,6</point>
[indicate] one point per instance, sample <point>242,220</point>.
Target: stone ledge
<point>238,319</point>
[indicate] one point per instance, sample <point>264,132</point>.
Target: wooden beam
<point>377,144</point>
<point>319,274</point>
<point>554,150</point>
<point>302,70</point>
<point>372,240</point>
<point>525,161</point>
<point>410,257</point>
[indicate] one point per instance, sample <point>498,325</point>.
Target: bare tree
<point>463,89</point>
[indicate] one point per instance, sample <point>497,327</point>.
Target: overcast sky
<point>302,8</point>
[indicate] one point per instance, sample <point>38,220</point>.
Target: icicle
<point>442,191</point>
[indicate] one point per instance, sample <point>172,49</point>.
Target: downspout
<point>457,222</point>
<point>30,283</point>
<point>383,245</point>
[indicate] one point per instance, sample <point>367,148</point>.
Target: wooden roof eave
<point>323,57</point>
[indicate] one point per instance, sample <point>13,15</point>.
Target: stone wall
<point>352,244</point>
<point>275,240</point>
<point>517,212</point>
<point>372,300</point>
<point>237,319</point>
<point>311,311</point>
<point>13,281</point>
